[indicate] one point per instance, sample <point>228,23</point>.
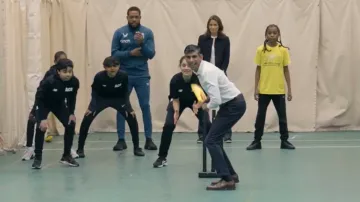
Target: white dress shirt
<point>216,84</point>
<point>212,58</point>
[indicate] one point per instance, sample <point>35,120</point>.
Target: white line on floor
<point>175,140</point>
<point>293,137</point>
<point>229,147</point>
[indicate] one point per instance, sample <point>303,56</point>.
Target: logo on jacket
<point>125,35</point>
<point>125,41</point>
<point>69,89</point>
<point>117,85</point>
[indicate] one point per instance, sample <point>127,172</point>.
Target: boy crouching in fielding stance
<point>57,94</point>
<point>30,129</point>
<point>182,96</point>
<point>110,89</point>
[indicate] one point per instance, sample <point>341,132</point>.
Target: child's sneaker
<point>28,154</point>
<point>69,160</point>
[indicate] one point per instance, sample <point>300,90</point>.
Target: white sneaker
<point>2,152</point>
<point>74,154</point>
<point>28,154</point>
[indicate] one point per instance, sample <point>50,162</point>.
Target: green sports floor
<point>325,167</point>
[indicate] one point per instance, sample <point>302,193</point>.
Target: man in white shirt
<point>232,106</point>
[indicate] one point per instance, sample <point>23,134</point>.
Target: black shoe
<point>120,145</point>
<point>37,163</point>
<point>139,152</point>
<point>200,140</point>
<point>81,153</point>
<point>286,145</point>
<point>227,140</point>
<point>234,177</point>
<point>254,145</point>
<point>149,145</point>
<point>69,160</point>
<point>160,162</point>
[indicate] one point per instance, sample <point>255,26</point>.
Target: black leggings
<point>169,126</point>
<point>62,113</point>
<point>280,106</point>
<point>30,127</point>
<point>102,104</point>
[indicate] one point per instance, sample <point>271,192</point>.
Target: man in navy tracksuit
<point>133,45</point>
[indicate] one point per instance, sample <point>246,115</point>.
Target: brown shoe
<point>222,185</point>
<point>234,177</point>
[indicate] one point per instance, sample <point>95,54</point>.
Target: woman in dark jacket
<point>215,47</point>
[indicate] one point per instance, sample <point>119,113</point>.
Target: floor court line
<point>294,140</point>
<point>293,137</point>
<point>231,147</point>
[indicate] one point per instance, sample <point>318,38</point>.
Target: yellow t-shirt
<point>272,64</point>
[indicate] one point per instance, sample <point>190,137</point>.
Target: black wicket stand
<point>205,173</point>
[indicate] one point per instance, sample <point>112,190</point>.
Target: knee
<point>86,122</point>
<point>209,141</point>
<point>282,120</point>
<point>145,106</point>
<point>71,126</point>
<point>169,127</point>
<point>131,118</point>
<point>208,125</point>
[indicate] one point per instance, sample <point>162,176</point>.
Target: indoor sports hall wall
<point>323,36</point>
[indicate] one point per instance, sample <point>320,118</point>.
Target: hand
<point>196,107</point>
<point>136,52</point>
<point>176,117</point>
<point>139,38</point>
<point>256,95</point>
<point>43,125</point>
<point>88,112</point>
<point>132,113</point>
<point>289,96</point>
<point>72,118</point>
<point>32,117</point>
<point>205,108</point>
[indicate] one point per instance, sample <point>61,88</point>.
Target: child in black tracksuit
<point>29,152</point>
<point>110,89</point>
<point>181,97</point>
<point>57,94</point>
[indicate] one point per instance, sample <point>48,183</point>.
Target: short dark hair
<point>110,62</point>
<point>134,8</point>
<point>64,63</point>
<point>58,55</point>
<point>192,48</point>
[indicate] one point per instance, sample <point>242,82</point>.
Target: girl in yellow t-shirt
<point>272,60</point>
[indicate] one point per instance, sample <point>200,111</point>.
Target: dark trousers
<point>228,133</point>
<point>228,115</point>
<point>62,113</point>
<point>280,106</point>
<point>30,127</point>
<point>169,126</point>
<point>102,104</point>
